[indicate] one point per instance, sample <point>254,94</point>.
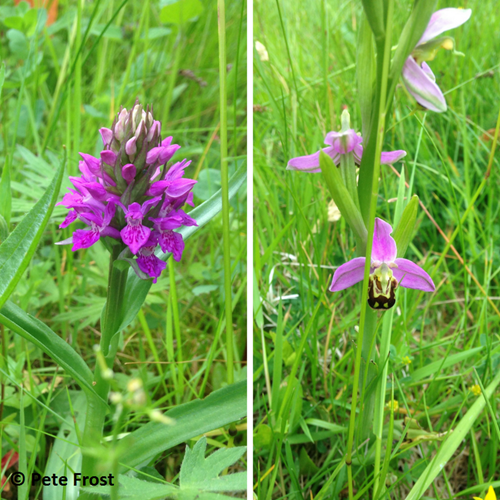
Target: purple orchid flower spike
<point>417,75</point>
<point>340,143</point>
<point>140,196</point>
<point>386,273</point>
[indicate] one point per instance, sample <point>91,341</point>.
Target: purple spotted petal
<point>422,86</point>
<point>384,247</point>
<point>135,236</point>
<point>85,238</point>
<point>444,20</point>
<point>343,142</point>
<point>391,156</point>
<point>151,265</point>
<point>179,187</point>
<point>409,275</point>
<point>71,217</point>
<point>310,163</point>
<point>171,242</point>
<point>348,274</point>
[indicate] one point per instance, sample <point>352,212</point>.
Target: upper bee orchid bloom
<point>417,75</point>
<point>340,143</point>
<point>387,271</point>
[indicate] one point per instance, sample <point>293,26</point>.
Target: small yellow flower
<point>476,390</point>
<point>406,360</point>
<point>491,492</point>
<point>395,406</point>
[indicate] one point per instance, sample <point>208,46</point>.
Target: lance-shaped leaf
<point>365,74</point>
<point>17,250</point>
<point>192,419</point>
<point>342,198</point>
<point>33,330</point>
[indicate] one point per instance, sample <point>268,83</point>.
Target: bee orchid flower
<point>387,272</point>
<point>340,143</point>
<point>417,75</point>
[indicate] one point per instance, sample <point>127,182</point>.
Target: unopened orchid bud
<point>131,146</point>
<point>107,136</point>
<point>108,157</point>
<point>128,172</point>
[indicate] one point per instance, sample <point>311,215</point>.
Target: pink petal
<point>92,163</point>
<point>444,20</point>
<point>391,156</point>
<point>422,87</point>
<point>343,142</point>
<point>71,217</point>
<point>384,247</point>
<point>167,153</point>
<point>310,163</point>
<point>348,274</point>
<point>153,155</point>
<point>409,275</point>
<point>166,142</point>
<point>179,187</point>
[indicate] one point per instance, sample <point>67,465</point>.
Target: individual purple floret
<point>130,194</point>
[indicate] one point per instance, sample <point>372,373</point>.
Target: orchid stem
<point>96,411</point>
<point>225,191</point>
<point>376,138</point>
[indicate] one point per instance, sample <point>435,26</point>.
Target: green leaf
<point>200,473</point>
<point>32,329</point>
<point>403,233</point>
<point>436,366</point>
<point>374,11</point>
<point>365,74</point>
<point>2,77</point>
<point>181,11</point>
<point>192,419</point>
<point>132,488</point>
<point>341,197</point>
<point>199,478</point>
<point>137,289</point>
<point>453,441</point>
<point>17,250</point>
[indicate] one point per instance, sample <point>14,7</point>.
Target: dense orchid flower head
<point>387,272</point>
<point>417,75</point>
<point>131,194</point>
<point>340,143</point>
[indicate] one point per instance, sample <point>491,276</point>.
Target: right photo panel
<point>376,261</point>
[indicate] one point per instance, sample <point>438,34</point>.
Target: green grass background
<point>299,94</point>
<point>65,100</point>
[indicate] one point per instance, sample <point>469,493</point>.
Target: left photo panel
<point>123,243</point>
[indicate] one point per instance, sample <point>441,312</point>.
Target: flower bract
<point>387,272</point>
